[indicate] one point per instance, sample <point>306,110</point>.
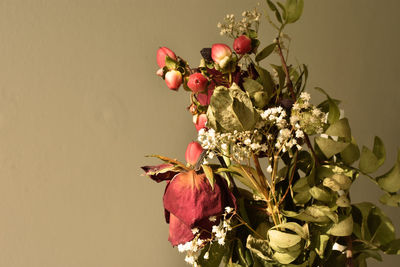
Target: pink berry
<point>173,79</point>
<point>220,53</point>
<point>162,53</point>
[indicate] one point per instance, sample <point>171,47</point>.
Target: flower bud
<point>193,109</point>
<point>221,54</point>
<point>197,82</point>
<point>160,72</point>
<point>173,79</point>
<point>193,152</point>
<point>242,45</point>
<point>201,122</point>
<point>162,53</point>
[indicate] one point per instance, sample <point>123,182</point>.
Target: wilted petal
<point>190,198</point>
<point>179,233</point>
<point>160,172</point>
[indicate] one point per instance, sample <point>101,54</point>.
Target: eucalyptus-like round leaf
<point>282,239</point>
<point>343,228</point>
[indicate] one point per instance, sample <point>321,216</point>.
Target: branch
<point>286,70</point>
<point>349,252</point>
<point>291,90</point>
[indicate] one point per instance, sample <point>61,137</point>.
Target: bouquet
<point>267,181</point>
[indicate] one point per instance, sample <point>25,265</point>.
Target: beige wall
<point>80,106</point>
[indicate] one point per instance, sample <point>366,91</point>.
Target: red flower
<point>189,202</point>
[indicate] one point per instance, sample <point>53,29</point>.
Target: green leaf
<point>216,254</point>
<point>295,227</point>
<point>317,214</point>
<point>286,257</point>
<point>231,109</point>
<point>379,150</point>
<point>209,174</point>
<point>390,200</point>
<point>350,154</point>
<point>373,225</point>
<point>278,239</point>
<point>380,227</point>
<point>265,52</point>
<point>281,74</point>
<point>301,185</point>
<point>334,112</point>
<point>343,201</point>
<point>275,9</point>
<point>320,194</point>
<point>335,259</point>
<point>242,172</point>
<point>302,198</point>
<point>242,254</point>
<point>294,9</point>
<point>251,86</point>
<point>322,241</point>
<point>390,181</point>
<point>393,247</point>
<point>266,80</point>
<point>259,247</point>
<point>337,182</point>
<point>170,63</point>
<point>340,128</point>
<point>256,92</point>
<point>343,228</point>
<point>283,8</point>
<point>330,147</point>
<point>370,161</point>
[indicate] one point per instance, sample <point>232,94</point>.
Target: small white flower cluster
<point>276,115</point>
<point>284,139</point>
<point>220,231</point>
<point>238,144</point>
<point>234,28</point>
<point>192,248</point>
<point>307,117</point>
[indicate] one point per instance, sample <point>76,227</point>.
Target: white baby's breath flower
<point>228,209</point>
<point>190,259</point>
<point>269,169</point>
<point>299,134</point>
<point>212,219</point>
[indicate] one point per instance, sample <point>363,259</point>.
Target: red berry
<point>242,45</point>
<point>197,82</point>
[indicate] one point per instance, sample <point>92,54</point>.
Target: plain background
<point>80,106</point>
